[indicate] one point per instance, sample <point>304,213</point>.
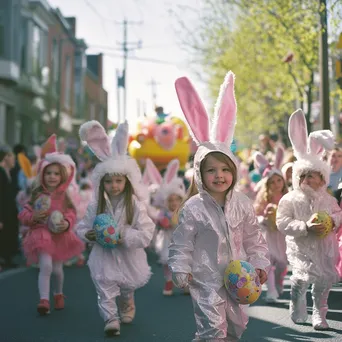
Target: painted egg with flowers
<point>106,231</point>
<point>242,282</point>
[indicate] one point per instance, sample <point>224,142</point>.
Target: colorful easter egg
<point>42,203</point>
<point>242,282</point>
<point>55,218</point>
<point>324,218</point>
<point>106,231</point>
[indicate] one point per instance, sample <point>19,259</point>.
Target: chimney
<point>100,69</point>
<point>72,22</point>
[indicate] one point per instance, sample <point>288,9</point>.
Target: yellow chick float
<point>160,138</point>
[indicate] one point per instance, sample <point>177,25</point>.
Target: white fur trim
<point>63,159</point>
<point>311,163</point>
<point>83,132</point>
<point>125,166</point>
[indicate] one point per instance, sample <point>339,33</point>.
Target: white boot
<point>320,307</point>
<point>298,310</point>
<point>112,327</point>
<point>272,293</point>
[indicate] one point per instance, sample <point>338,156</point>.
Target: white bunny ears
<point>308,149</point>
<point>94,134</point>
<point>223,125</point>
<point>315,144</point>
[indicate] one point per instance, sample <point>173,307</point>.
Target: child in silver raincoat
<point>216,225</point>
<point>312,258</point>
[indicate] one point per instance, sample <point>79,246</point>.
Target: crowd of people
<point>261,206</point>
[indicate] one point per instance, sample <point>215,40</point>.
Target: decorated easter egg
<point>242,282</point>
<point>324,218</point>
<point>42,203</point>
<point>55,218</point>
<point>106,231</point>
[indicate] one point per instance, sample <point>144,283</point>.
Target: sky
<point>99,25</point>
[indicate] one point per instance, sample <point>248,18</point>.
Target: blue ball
<point>106,231</point>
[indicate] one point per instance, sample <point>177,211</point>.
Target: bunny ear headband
<point>170,183</point>
<point>49,155</point>
<point>308,149</point>
<point>113,155</point>
<point>223,125</point>
<point>267,169</point>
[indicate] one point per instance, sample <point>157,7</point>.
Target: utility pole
<point>125,49</point>
<point>153,84</point>
<point>324,66</point>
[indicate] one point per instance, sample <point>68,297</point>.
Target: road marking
<point>6,274</point>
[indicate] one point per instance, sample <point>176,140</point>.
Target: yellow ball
<point>324,218</point>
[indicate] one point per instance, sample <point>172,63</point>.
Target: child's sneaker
<point>43,307</point>
<point>127,311</point>
<point>271,297</point>
<point>112,328</point>
<point>59,301</point>
<point>168,288</point>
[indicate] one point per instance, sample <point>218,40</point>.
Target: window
<point>23,45</point>
<point>92,111</point>
<point>36,49</point>
<point>67,85</point>
<point>55,63</point>
<point>2,34</point>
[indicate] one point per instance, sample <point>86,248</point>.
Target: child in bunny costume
<point>312,258</point>
<point>118,191</point>
<point>217,224</point>
<point>170,195</point>
<point>50,216</point>
<point>272,189</point>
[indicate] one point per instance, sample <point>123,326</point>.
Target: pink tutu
<point>339,241</point>
<point>61,247</point>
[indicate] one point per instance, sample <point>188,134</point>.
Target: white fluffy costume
<point>124,268</point>
<point>274,238</point>
<point>312,259</point>
<point>207,237</point>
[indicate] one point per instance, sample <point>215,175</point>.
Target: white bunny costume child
<point>124,268</point>
<point>312,259</point>
<point>169,184</point>
<point>207,237</point>
<point>275,239</point>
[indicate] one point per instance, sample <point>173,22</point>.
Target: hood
<point>57,158</point>
<point>311,163</point>
<point>123,165</point>
<point>202,152</point>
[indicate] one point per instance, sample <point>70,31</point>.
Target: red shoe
<point>59,301</point>
<point>168,288</point>
<point>43,307</point>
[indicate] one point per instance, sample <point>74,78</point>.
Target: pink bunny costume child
<point>170,194</point>
<point>40,244</point>
<point>272,188</point>
<point>117,185</point>
<point>313,259</point>
<point>212,231</point>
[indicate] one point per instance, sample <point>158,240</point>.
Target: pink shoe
<point>59,301</point>
<point>43,307</point>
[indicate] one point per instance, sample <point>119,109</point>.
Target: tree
<point>272,46</point>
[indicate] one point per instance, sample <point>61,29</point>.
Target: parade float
<point>160,138</point>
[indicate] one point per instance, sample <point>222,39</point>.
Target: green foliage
<point>253,38</point>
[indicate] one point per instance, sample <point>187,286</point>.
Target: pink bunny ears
<point>154,175</point>
<point>264,165</point>
<point>94,134</point>
<point>303,145</point>
<point>223,125</point>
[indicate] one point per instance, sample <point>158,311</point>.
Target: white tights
<point>47,266</point>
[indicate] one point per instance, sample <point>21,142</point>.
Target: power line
<point>148,60</point>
